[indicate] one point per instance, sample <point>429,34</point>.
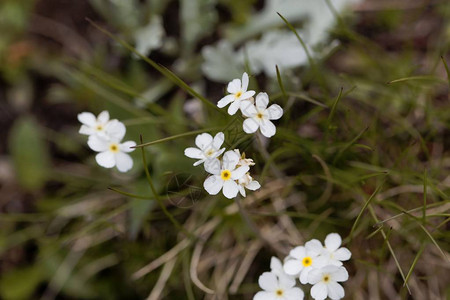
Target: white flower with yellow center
<point>325,282</point>
<point>92,124</point>
<point>113,153</point>
<point>238,93</point>
<point>260,116</point>
<point>277,288</point>
<point>333,250</point>
<point>247,182</point>
<point>208,147</point>
<point>224,175</point>
<point>303,259</point>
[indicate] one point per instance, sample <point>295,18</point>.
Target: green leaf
<point>20,283</point>
<point>29,152</point>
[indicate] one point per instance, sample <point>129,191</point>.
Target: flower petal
<point>285,281</point>
<point>234,107</point>
<point>247,95</point>
<point>313,248</point>
<point>262,100</point>
<point>124,162</point>
<point>267,128</point>
<point>274,112</point>
<point>294,294</point>
<point>97,144</point>
<point>333,241</point>
<point>204,141</point>
<point>192,152</point>
<point>218,140</point>
<point>292,267</point>
<point>250,125</point>
<point>213,184</point>
<point>335,291</point>
<point>199,162</point>
<point>115,130</point>
<point>87,118</point>
<point>342,254</point>
<point>126,146</point>
<point>103,117</point>
<point>263,295</point>
<point>234,86</point>
<point>275,265</point>
<point>244,85</point>
<point>314,276</point>
<point>319,291</point>
<point>239,172</point>
<point>304,275</point>
<point>253,185</point>
<point>298,252</point>
<point>242,190</point>
<point>86,130</point>
<point>268,281</point>
<point>248,109</point>
<point>106,159</point>
<point>230,189</point>
<point>230,160</point>
<point>213,166</point>
<point>225,101</point>
<point>340,274</point>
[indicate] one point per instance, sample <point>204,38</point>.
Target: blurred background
<point>66,235</point>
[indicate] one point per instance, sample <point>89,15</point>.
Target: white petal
<point>106,159</point>
<point>262,100</point>
<point>294,294</point>
<point>213,184</point>
<point>339,275</point>
<point>313,247</point>
<point>268,281</point>
<point>234,107</point>
<point>250,125</point>
<point>199,162</point>
<point>126,146</point>
<point>244,81</point>
<point>267,128</point>
<point>230,160</point>
<point>97,144</point>
<point>275,265</point>
<point>242,190</point>
<point>103,117</point>
<point>274,112</point>
<point>320,261</point>
<point>253,185</point>
<point>230,189</point>
<point>213,166</point>
<point>333,241</point>
<point>115,130</point>
<point>86,130</point>
<point>265,296</point>
<point>204,141</point>
<point>319,291</point>
<point>234,86</point>
<point>342,254</point>
<point>218,140</point>
<point>292,267</point>
<point>298,252</point>
<point>192,152</point>
<point>314,276</point>
<point>225,101</point>
<point>239,172</point>
<point>286,282</point>
<point>124,162</point>
<point>304,275</point>
<point>248,109</point>
<point>335,291</point>
<point>87,118</point>
<point>247,95</point>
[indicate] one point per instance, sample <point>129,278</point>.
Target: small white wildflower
<point>238,93</point>
<point>332,251</point>
<point>277,288</point>
<point>247,182</point>
<point>303,259</point>
<point>208,147</point>
<point>276,267</point>
<point>224,175</point>
<point>112,151</point>
<point>325,282</point>
<point>259,115</point>
<point>243,161</point>
<point>92,124</point>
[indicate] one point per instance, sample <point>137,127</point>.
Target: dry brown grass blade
<point>252,251</point>
<point>162,280</point>
<point>193,269</point>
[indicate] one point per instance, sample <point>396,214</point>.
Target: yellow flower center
<point>326,278</point>
<point>99,127</point>
<point>238,94</point>
<point>209,152</point>
<point>259,115</point>
<point>225,175</point>
<point>279,292</point>
<point>114,148</point>
<point>307,261</point>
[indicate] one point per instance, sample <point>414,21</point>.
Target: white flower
<point>303,259</point>
<point>332,251</point>
<point>259,116</point>
<point>244,161</point>
<point>325,282</point>
<point>208,147</point>
<point>247,182</point>
<point>224,175</point>
<point>277,288</point>
<point>276,267</point>
<point>238,93</point>
<point>112,151</point>
<point>92,124</point>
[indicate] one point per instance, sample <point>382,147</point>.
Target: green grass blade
<point>334,106</point>
<point>280,83</point>
<point>129,194</point>
<point>446,69</point>
<point>348,145</point>
<point>415,78</point>
<point>306,98</point>
<point>414,263</point>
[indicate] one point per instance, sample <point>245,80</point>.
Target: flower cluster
<point>257,114</point>
<point>229,172</point>
<point>105,137</point>
<point>315,264</point>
